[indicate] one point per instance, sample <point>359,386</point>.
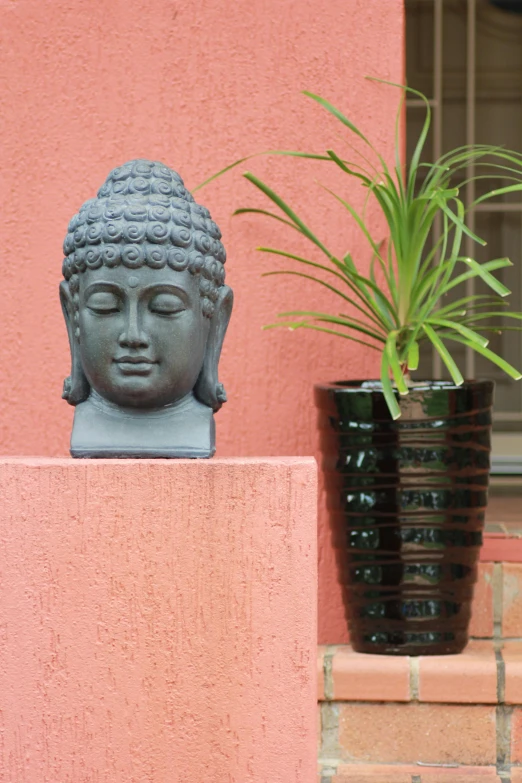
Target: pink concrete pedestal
<point>158,621</point>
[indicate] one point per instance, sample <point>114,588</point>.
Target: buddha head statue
<point>146,309</point>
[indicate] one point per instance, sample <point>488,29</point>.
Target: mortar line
<point>330,651</point>
<point>497,583</point>
<point>503,736</point>
<point>502,718</point>
<point>414,678</point>
<point>329,752</point>
<point>501,672</point>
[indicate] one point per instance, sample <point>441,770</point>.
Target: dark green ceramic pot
<point>407,500</point>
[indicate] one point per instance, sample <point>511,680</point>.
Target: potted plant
<point>406,462</point>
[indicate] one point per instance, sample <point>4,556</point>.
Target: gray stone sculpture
<point>146,310</point>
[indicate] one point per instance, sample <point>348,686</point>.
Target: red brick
<point>434,733</point>
<point>512,600</point>
<point>363,677</point>
<point>459,775</point>
<point>481,624</point>
<point>373,773</point>
<point>381,773</point>
<point>516,775</point>
<point>516,736</point>
<point>498,548</point>
<point>468,678</point>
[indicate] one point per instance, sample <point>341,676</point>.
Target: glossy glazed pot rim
<point>375,386</point>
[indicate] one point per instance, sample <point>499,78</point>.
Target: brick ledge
<point>484,673</point>
<point>414,773</point>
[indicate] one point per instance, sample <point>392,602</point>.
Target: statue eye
<point>166,304</point>
<point>104,302</point>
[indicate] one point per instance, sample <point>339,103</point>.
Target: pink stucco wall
<point>141,639</point>
<point>85,86</point>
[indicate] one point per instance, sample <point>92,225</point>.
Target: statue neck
<point>102,429</point>
<point>107,407</point>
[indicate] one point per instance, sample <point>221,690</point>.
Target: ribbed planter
<point>407,500</point>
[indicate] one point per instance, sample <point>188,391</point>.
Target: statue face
<point>142,334</point>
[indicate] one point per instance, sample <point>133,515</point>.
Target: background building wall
<point>87,86</point>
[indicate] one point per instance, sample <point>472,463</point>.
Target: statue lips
<point>135,365</point>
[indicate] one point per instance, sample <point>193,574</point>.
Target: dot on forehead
<point>133,281</point>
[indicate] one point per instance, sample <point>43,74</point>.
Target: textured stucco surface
<point>157,621</point>
<point>86,86</point>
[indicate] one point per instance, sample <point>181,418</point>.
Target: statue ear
<point>76,387</point>
<point>208,390</point>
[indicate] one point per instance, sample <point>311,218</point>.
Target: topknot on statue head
<point>144,215</point>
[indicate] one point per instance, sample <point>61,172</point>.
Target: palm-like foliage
<point>401,303</point>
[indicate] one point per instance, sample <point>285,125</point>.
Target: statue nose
<point>133,335</point>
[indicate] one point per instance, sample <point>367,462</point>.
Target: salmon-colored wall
<point>85,86</point>
<point>139,640</point>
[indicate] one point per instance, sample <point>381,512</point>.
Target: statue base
<point>101,429</point>
<point>158,620</point>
